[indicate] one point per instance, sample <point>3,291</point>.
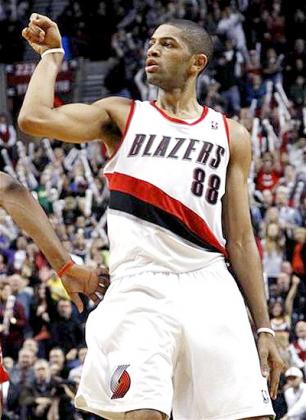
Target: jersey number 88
<point>213,185</point>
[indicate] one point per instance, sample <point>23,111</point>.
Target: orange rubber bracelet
<point>65,268</point>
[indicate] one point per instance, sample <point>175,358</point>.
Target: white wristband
<point>52,51</point>
<point>266,330</point>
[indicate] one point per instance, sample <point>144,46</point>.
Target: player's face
<point>169,61</point>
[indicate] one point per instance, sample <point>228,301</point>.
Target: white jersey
<point>166,181</point>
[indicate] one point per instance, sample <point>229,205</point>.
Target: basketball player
<point>29,216</point>
<point>172,331</point>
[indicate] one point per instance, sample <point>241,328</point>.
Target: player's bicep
<point>79,122</point>
<point>74,123</point>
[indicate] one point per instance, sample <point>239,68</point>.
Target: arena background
<point>257,77</point>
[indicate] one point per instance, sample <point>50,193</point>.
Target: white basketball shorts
<point>179,342</point>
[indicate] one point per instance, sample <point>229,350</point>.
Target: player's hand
<point>89,281</point>
<point>271,363</point>
<point>42,33</point>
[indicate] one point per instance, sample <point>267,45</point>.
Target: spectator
<point>36,398</point>
<point>281,312</point>
<point>7,132</point>
<point>22,373</point>
<point>298,346</point>
<point>31,344</point>
<point>268,175</point>
<point>295,394</point>
<point>19,290</point>
<point>255,89</point>
<point>225,75</point>
<point>267,202</point>
<point>253,64</point>
<point>76,372</point>
<point>231,25</point>
<point>297,91</point>
<point>289,179</point>
<point>283,284</point>
<point>66,333</point>
<point>57,356</point>
<point>273,250</point>
<point>272,68</point>
<point>42,310</point>
<point>296,251</point>
<point>12,322</point>
<point>288,215</point>
<point>20,254</point>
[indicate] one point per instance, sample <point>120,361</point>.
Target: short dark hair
<point>197,38</point>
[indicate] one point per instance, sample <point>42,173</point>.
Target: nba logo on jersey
<point>214,125</point>
<point>265,396</point>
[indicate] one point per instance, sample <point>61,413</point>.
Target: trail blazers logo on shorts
<point>120,382</point>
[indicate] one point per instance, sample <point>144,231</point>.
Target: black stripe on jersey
<point>129,204</point>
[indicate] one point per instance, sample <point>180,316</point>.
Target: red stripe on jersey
<point>153,195</point>
<point>226,128</point>
<point>177,120</point>
<point>128,122</point>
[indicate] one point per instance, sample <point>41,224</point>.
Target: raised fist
<point>296,280</point>
<point>42,33</point>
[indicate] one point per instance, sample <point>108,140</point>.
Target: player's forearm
<point>37,106</point>
<point>30,217</point>
<point>246,265</point>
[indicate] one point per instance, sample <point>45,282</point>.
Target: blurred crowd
<point>14,15</point>
<point>256,77</point>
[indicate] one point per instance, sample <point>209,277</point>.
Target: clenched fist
<point>42,33</point>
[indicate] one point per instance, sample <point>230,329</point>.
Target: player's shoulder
<point>239,140</point>
<point>114,102</point>
<point>237,130</point>
<point>117,109</point>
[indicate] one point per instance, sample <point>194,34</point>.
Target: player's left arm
<point>242,249</point>
<point>29,216</point>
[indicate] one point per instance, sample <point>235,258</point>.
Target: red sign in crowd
<point>18,77</point>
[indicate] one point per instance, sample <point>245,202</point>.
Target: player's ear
<point>199,63</point>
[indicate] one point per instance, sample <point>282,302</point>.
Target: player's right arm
<point>73,123</point>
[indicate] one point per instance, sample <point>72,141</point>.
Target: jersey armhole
<point>226,128</point>
<point>127,124</point>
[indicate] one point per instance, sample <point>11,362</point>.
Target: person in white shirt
<point>295,395</point>
<point>231,26</point>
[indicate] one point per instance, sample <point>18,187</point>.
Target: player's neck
<point>180,103</point>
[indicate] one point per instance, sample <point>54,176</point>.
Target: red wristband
<point>65,268</point>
